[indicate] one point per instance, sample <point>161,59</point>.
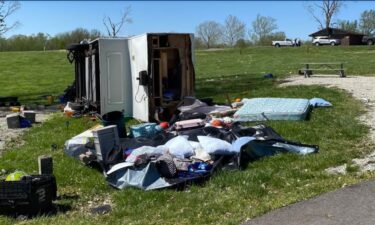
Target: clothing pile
<point>188,151</point>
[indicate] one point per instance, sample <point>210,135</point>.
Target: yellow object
<point>50,99</point>
<point>237,100</point>
<point>15,109</point>
<point>15,176</point>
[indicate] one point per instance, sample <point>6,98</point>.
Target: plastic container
<point>144,130</point>
<point>13,120</point>
<point>115,118</point>
<point>106,139</point>
<point>30,195</point>
<point>29,115</point>
<point>50,99</point>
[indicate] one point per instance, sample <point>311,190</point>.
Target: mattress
<point>262,109</point>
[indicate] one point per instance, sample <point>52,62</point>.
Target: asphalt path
<point>352,205</point>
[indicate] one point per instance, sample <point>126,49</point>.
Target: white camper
<point>144,76</point>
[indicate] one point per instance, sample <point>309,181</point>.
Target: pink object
<point>189,124</point>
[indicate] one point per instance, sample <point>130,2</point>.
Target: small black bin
<point>31,195</point>
<point>115,118</point>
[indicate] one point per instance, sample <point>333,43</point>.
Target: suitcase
<point>189,124</point>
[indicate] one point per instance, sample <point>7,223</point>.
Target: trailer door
<point>115,79</point>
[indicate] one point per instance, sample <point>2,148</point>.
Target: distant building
<point>346,37</point>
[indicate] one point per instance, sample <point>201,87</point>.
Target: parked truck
<point>286,42</point>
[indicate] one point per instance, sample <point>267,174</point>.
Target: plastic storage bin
<point>144,130</point>
<point>31,195</point>
<point>115,118</point>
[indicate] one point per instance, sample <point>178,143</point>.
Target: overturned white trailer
<point>145,76</point>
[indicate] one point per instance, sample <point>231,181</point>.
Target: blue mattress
<point>262,109</point>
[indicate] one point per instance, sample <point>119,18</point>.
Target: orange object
<point>68,113</point>
<point>237,100</point>
<point>216,123</point>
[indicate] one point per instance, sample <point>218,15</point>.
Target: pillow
<point>215,146</point>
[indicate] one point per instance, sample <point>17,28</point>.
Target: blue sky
<point>55,17</point>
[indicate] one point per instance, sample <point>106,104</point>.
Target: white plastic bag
<point>180,147</point>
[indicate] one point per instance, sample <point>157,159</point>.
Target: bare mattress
<point>262,109</point>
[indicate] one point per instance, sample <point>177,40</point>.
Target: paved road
<point>353,205</point>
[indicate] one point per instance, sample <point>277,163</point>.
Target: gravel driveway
<point>7,135</point>
<point>362,88</point>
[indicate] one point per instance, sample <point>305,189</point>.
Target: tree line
<point>208,34</point>
<point>43,41</point>
<point>365,24</point>
<point>233,33</point>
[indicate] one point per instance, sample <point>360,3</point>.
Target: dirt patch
<point>13,135</point>
<point>360,87</point>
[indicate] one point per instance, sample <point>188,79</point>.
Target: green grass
<point>229,197</point>
<point>257,61</point>
<point>52,72</point>
<point>33,75</point>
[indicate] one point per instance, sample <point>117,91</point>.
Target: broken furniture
<point>144,76</point>
<point>313,67</point>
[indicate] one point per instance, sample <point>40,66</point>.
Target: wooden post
<point>45,163</point>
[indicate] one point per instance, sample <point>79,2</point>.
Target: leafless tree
<point>113,28</point>
<point>7,8</point>
<point>234,30</point>
<point>210,32</point>
<point>324,12</point>
<point>263,26</point>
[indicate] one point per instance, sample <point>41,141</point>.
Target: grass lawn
<point>33,75</point>
<point>229,197</point>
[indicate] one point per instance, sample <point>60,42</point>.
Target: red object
<point>164,125</point>
<point>216,123</point>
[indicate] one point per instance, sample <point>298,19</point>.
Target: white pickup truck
<point>286,42</point>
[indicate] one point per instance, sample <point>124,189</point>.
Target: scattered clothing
<point>319,102</point>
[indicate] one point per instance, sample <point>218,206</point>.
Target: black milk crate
<point>31,195</point>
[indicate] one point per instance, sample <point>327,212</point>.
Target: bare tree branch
<point>324,12</point>
<point>7,8</point>
<point>262,27</point>
<point>114,28</point>
<point>210,32</point>
<point>234,30</point>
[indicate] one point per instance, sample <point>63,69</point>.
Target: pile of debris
<point>12,121</point>
<point>188,149</point>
